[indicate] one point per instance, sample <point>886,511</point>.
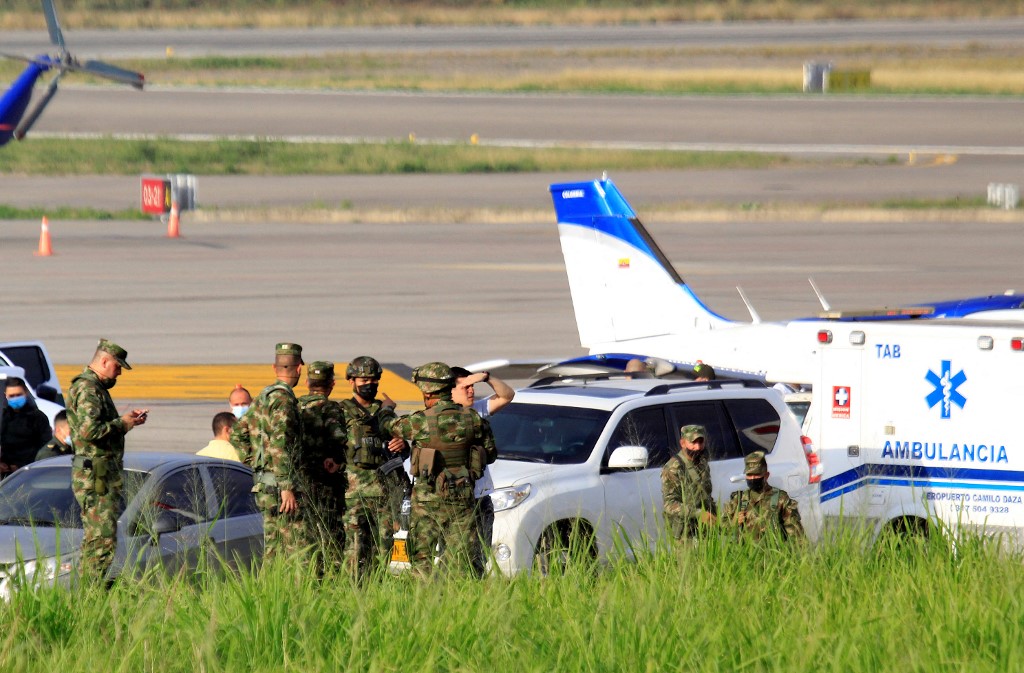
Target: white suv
<point>583,458</point>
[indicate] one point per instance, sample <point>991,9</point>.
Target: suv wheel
<point>563,545</point>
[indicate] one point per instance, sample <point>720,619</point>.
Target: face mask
<point>756,485</point>
<point>368,391</point>
<point>17,402</point>
<point>240,410</point>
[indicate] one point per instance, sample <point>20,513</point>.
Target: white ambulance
<point>919,425</point>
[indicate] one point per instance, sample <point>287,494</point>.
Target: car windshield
<point>546,433</point>
<point>42,496</point>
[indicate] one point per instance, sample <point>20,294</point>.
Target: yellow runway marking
<point>215,382</point>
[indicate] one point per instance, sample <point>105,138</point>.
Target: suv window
<point>29,358</point>
<point>647,428</point>
<point>721,441</point>
<point>233,492</point>
<point>546,433</point>
<point>757,424</point>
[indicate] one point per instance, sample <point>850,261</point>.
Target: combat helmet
<point>433,377</point>
<point>363,367</point>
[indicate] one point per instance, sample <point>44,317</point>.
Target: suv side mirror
<point>628,458</point>
<point>48,393</point>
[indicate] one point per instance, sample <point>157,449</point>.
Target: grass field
<point>47,156</point>
<point>20,14</point>
<point>722,607</point>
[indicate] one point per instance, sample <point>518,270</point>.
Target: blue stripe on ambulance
<point>920,476</point>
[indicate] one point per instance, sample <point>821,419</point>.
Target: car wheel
<point>564,545</point>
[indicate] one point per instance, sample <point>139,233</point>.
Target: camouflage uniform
<point>770,513</point>
<point>368,517</point>
<point>451,445</point>
<point>686,488</point>
<point>268,438</point>
<point>323,427</point>
<point>98,436</point>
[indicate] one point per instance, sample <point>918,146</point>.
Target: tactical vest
<point>366,448</point>
<point>773,506</point>
<point>450,467</point>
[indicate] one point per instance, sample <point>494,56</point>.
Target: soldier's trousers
<point>325,516</point>
<point>99,539</point>
<point>283,534</point>
<point>443,527</point>
<point>367,531</point>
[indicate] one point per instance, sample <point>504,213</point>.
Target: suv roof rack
<point>584,378</point>
<point>717,384</point>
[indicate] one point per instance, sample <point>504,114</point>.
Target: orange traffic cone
<point>45,248</point>
<point>172,222</point>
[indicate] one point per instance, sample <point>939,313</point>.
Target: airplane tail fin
<point>623,286</point>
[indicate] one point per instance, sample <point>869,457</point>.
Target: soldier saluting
<point>97,434</point>
<point>268,438</point>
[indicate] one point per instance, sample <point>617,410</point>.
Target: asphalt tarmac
<point>460,292</point>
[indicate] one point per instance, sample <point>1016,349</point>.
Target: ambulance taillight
<point>813,460</point>
<point>1017,344</point>
<point>824,336</point>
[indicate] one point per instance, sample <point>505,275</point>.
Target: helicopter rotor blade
<point>52,25</point>
<point>101,69</point>
<point>29,119</point>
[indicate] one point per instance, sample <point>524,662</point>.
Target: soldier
<point>763,511</point>
<point>323,457</point>
<point>686,486</point>
<point>268,438</point>
<point>97,434</point>
<point>60,443</point>
<point>451,445</point>
<point>368,515</point>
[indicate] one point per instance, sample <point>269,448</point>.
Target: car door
<point>633,503</point>
<point>170,528</point>
<point>236,529</point>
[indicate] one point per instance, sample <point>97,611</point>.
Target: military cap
<point>119,354</point>
<point>754,465</point>
<point>691,432</point>
<point>289,349</point>
<point>433,377</point>
<point>320,371</point>
<point>703,371</point>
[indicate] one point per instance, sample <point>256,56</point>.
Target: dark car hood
<point>32,543</point>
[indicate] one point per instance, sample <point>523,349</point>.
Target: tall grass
<point>722,606</point>
<point>49,156</point>
<point>289,13</point>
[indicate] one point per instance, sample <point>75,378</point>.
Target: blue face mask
<point>17,402</point>
<point>240,410</point>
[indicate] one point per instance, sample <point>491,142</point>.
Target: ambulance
<point>918,425</point>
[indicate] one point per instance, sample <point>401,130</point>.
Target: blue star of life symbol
<point>946,384</point>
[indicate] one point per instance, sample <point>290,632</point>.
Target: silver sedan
<point>178,511</point>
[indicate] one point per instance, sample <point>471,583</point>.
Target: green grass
<point>69,213</point>
<point>721,607</point>
<point>278,13</point>
<point>46,156</point>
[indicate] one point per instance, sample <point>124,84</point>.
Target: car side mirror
<point>628,458</point>
<point>155,526</point>
<point>48,393</point>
